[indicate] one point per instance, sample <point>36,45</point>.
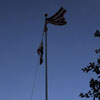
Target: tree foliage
<point>97,33</point>
<point>94,84</point>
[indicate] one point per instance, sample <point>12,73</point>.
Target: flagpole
<point>46,70</point>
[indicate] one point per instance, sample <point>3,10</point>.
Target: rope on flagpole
<point>32,93</point>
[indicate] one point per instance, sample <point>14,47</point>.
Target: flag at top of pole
<point>57,18</point>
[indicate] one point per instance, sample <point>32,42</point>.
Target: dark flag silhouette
<point>40,52</point>
<point>57,18</point>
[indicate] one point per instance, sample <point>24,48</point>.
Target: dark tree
<point>97,33</point>
<point>94,84</point>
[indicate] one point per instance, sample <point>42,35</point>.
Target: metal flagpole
<point>46,71</point>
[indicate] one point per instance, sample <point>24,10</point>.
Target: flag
<point>40,52</point>
<point>57,18</point>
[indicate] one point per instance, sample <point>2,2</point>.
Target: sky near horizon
<point>70,48</point>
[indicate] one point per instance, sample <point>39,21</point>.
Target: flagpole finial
<point>46,15</point>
